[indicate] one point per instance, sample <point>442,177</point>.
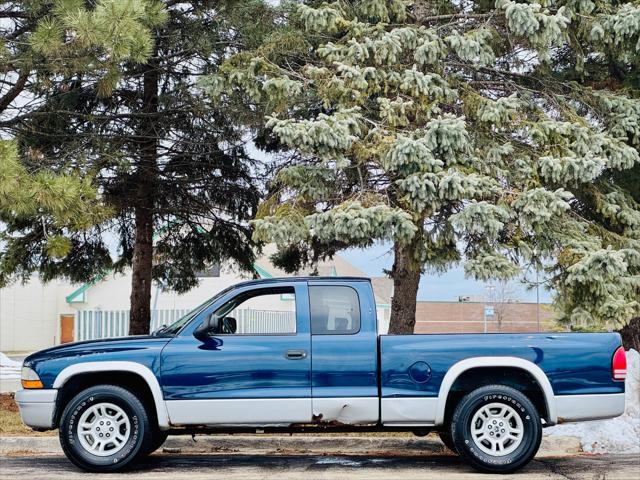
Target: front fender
<point>147,375</point>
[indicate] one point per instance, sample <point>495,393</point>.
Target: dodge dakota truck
<point>304,355</point>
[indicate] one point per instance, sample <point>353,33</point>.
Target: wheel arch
<point>468,364</point>
<point>84,369</point>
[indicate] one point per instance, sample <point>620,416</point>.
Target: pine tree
<point>617,69</point>
<point>41,42</point>
<point>64,200</point>
<point>168,163</point>
<point>447,128</point>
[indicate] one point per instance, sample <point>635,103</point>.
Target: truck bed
<point>573,369</point>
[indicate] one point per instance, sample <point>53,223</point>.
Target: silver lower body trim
<point>412,411</point>
<point>37,407</point>
<point>575,408</point>
<point>253,411</point>
<point>346,410</point>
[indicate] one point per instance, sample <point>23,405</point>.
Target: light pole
<point>489,289</point>
<point>537,299</point>
<point>484,317</point>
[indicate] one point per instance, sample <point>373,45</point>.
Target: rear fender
<point>479,362</point>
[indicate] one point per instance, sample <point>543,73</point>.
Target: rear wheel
<point>496,429</point>
<point>157,440</point>
<point>104,428</point>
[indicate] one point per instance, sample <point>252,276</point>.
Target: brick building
<point>468,317</point>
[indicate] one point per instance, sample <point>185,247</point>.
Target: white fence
<point>264,321</point>
<point>96,324</point>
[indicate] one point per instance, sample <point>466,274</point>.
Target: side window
<point>334,310</point>
<point>266,311</point>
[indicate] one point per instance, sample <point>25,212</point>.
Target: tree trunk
<point>141,279</point>
<point>146,176</point>
<point>406,277</point>
<point>630,334</point>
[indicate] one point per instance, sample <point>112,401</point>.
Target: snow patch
<point>345,462</point>
<point>9,369</point>
<point>617,435</point>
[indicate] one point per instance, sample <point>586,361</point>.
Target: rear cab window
<point>335,310</point>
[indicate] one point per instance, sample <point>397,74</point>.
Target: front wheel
<point>447,439</point>
<point>104,428</point>
<point>496,429</point>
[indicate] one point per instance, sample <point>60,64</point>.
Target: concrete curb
<point>262,444</point>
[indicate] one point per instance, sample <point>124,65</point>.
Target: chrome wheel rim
<point>497,429</point>
<point>103,429</point>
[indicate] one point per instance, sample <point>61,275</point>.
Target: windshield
<point>176,326</point>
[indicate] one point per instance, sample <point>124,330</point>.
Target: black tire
<point>138,428</point>
<point>447,439</point>
<point>524,417</point>
<point>157,440</point>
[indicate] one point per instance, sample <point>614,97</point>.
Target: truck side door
<point>344,351</point>
<point>256,371</point>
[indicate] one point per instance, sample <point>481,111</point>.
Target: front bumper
<point>37,407</point>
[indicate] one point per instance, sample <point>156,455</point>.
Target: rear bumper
<point>37,407</point>
<point>575,408</point>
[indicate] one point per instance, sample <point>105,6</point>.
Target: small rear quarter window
<point>335,310</point>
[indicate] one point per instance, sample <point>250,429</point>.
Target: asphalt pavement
<point>310,467</point>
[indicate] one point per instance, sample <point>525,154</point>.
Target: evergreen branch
<point>457,16</point>
<point>14,91</point>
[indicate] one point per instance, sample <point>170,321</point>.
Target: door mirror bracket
<point>209,326</point>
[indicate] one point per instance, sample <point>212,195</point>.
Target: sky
<point>447,286</point>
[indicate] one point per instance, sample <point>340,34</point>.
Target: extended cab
<point>303,354</point>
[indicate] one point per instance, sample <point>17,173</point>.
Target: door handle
<point>295,354</point>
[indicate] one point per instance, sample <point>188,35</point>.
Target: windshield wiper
<point>160,330</point>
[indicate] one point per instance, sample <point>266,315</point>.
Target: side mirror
<point>210,325</point>
<point>229,325</point>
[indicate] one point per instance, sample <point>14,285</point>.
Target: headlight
<point>30,378</point>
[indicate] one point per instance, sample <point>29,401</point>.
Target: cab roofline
<point>262,281</point>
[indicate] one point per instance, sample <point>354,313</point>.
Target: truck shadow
<point>431,466</point>
<point>301,462</point>
<point>310,466</point>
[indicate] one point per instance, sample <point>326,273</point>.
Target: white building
<point>37,315</point>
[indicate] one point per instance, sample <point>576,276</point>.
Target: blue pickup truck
<point>304,355</point>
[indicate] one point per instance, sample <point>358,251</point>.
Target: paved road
<point>309,467</point>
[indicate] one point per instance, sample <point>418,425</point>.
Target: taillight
<point>619,364</point>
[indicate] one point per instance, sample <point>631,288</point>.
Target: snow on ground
<point>9,369</point>
<point>617,435</point>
